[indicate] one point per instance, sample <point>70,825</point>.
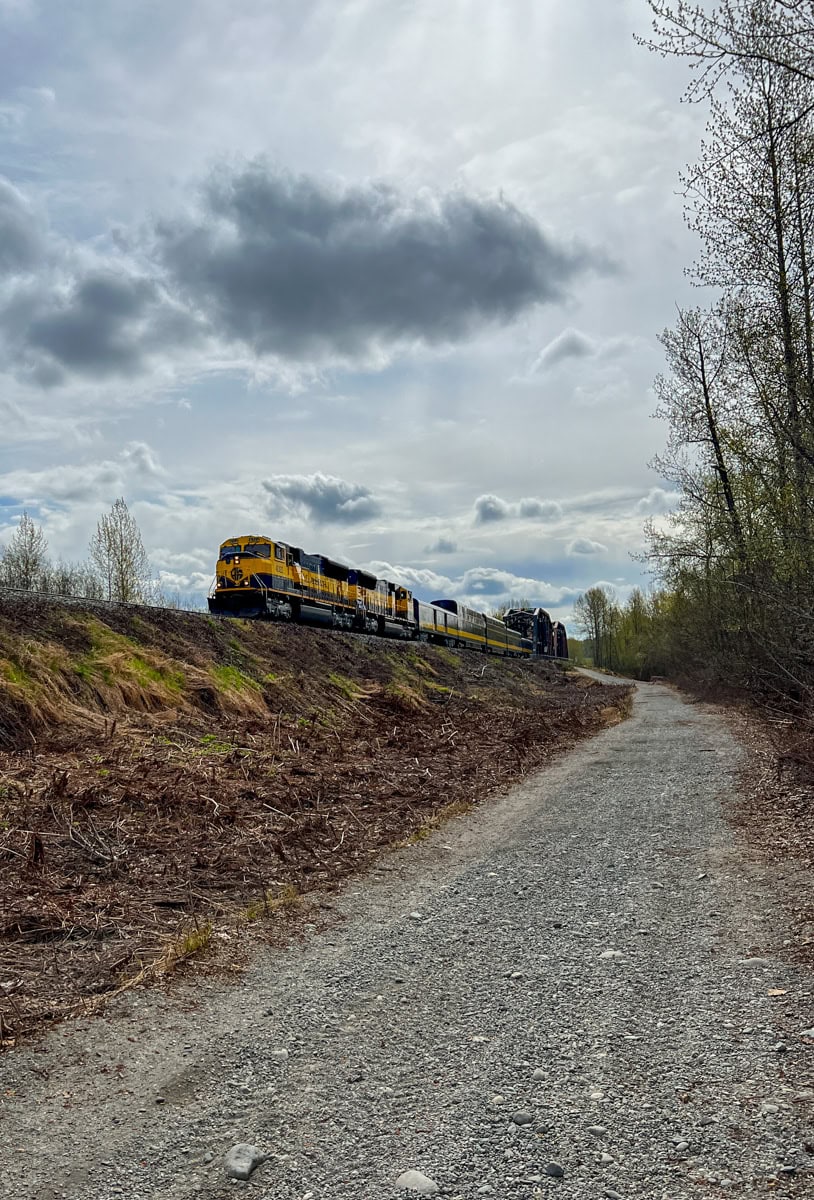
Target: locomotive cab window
<point>258,550</point>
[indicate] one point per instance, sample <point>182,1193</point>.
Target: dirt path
<point>592,955</point>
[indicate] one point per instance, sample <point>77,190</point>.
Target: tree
<point>737,556</point>
<point>117,552</point>
<point>72,579</point>
<point>733,36</point>
<point>596,615</point>
<point>25,558</point>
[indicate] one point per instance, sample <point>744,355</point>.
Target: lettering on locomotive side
<point>258,577</point>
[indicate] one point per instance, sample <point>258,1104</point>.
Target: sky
<point>379,278</point>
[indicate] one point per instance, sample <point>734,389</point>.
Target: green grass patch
<point>346,686</point>
<point>145,673</point>
<point>91,670</point>
<point>231,679</point>
<point>103,639</point>
<point>12,672</point>
<point>211,741</point>
<point>448,656</point>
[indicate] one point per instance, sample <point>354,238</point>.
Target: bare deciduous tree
<point>117,552</point>
<point>734,35</point>
<point>595,614</point>
<point>25,558</point>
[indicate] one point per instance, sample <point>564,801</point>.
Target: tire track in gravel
<point>573,951</point>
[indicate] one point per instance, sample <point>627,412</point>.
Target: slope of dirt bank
<point>166,779</point>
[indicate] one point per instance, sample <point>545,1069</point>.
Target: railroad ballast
<point>261,578</point>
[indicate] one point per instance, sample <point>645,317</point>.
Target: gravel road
<point>578,991</point>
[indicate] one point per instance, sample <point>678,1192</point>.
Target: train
<point>261,578</point>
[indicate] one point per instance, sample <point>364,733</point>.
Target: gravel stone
<point>554,1170</point>
<point>522,1117</point>
<point>415,1181</point>
<point>421,1016</point>
<point>242,1159</point>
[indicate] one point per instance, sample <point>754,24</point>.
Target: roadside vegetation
<point>734,562</point>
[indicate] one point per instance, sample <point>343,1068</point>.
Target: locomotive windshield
<point>258,550</point>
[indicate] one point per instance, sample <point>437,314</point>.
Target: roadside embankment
<point>166,780</point>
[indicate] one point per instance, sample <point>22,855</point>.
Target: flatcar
<point>263,578</point>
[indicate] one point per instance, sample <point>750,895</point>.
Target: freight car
<point>258,577</point>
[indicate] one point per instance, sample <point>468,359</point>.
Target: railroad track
<point>93,602</point>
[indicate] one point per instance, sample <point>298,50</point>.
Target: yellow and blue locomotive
<point>258,577</point>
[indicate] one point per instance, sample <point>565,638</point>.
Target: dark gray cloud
<point>322,498</point>
<point>21,245</point>
<point>107,322</point>
<point>95,328</point>
<point>288,266</point>
<point>295,267</point>
<point>492,508</point>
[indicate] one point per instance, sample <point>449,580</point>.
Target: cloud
<point>102,322</point>
<point>294,268</point>
<point>574,344</point>
<point>72,484</point>
<point>442,546</point>
<point>297,267</point>
<point>322,498</point>
<point>20,238</point>
<point>490,508</point>
<point>480,587</point>
<point>89,481</point>
<point>142,458</point>
<point>657,502</point>
<point>568,344</point>
<point>65,311</point>
<point>546,510</point>
<point>582,545</point>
